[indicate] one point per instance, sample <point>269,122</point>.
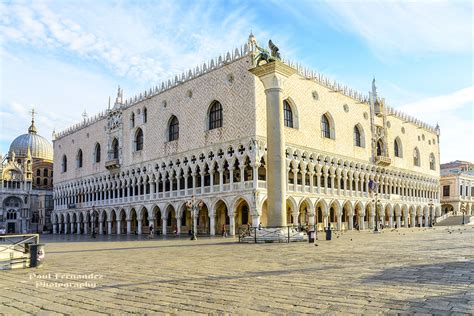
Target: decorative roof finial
<point>119,98</point>
<point>32,128</point>
<point>84,115</point>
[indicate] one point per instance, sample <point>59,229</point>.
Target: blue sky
<point>64,57</point>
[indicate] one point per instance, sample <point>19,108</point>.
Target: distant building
<point>26,176</point>
<point>457,187</point>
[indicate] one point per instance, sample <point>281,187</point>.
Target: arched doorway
<point>158,223</point>
<point>242,214</point>
<point>222,217</point>
<point>123,222</point>
<point>133,222</point>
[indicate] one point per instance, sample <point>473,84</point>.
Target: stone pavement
<point>405,271</point>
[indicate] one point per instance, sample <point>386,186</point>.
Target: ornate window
<point>139,140</point>
<point>64,164</point>
<point>432,162</point>
<point>115,149</point>
<point>327,126</point>
<point>416,157</point>
<point>397,147</point>
<point>173,129</point>
<point>132,120</point>
<point>215,115</point>
<point>145,113</point>
<point>45,181</point>
<point>79,158</point>
<point>358,136</point>
<point>45,172</point>
<point>38,172</point>
<point>97,153</point>
<point>380,147</point>
<point>288,114</point>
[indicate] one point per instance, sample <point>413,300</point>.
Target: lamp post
<point>93,222</point>
<point>463,210</point>
<point>430,204</point>
<point>194,205</point>
<point>373,186</point>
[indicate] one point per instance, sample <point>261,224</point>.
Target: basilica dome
<point>39,146</point>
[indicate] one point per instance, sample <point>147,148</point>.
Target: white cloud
<point>454,113</point>
<point>149,42</point>
<point>406,26</point>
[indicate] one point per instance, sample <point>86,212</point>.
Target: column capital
<point>273,74</point>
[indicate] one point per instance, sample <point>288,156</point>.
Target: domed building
<point>26,175</point>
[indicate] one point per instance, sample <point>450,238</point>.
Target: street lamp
<point>463,210</point>
<point>93,221</point>
<point>373,186</point>
<point>194,205</point>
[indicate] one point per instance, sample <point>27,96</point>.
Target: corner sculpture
<point>265,55</point>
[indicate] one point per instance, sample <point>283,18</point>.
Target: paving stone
<point>423,272</point>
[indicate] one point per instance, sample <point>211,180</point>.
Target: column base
<point>270,235</point>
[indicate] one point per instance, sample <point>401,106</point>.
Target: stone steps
<point>454,221</point>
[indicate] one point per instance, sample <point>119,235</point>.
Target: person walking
<point>151,232</point>
<point>224,231</point>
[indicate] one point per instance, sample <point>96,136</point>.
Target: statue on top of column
<point>265,55</point>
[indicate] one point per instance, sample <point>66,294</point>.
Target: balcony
<point>382,160</point>
<point>112,164</point>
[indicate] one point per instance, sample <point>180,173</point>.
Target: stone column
<point>55,229</point>
<point>213,225</point>
<point>178,225</point>
<point>65,228</point>
<point>339,222</point>
<point>232,224</point>
<point>86,228</point>
<point>139,224</point>
<point>78,228</point>
<point>72,228</point>
<point>351,222</point>
<point>163,226</point>
<point>101,227</point>
<point>399,222</point>
<point>273,75</point>
<point>129,226</point>
<point>255,219</point>
<point>195,223</point>
<point>119,227</point>
<point>109,227</point>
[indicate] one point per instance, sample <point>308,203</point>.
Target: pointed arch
<point>215,117</point>
<point>359,136</point>
<point>145,114</point>
<point>138,140</point>
<point>416,157</point>
<point>79,158</point>
<point>97,153</point>
<point>432,162</point>
<point>64,163</point>
<point>132,120</point>
<point>115,148</point>
<point>173,128</point>
<point>327,126</point>
<point>397,147</point>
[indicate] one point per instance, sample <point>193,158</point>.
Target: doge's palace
<point>348,160</point>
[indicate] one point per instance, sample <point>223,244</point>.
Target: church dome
<point>39,146</point>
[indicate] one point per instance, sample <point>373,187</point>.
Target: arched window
<point>432,162</point>
<point>97,153</point>
<point>397,147</point>
<point>287,114</point>
<point>38,181</point>
<point>45,172</point>
<point>327,128</point>
<point>379,148</point>
<point>79,158</point>
<point>115,149</point>
<point>416,157</point>
<point>64,164</point>
<point>139,139</point>
<point>173,129</point>
<point>38,172</point>
<point>45,181</point>
<point>215,115</point>
<point>358,136</point>
<point>132,120</point>
<point>145,113</point>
